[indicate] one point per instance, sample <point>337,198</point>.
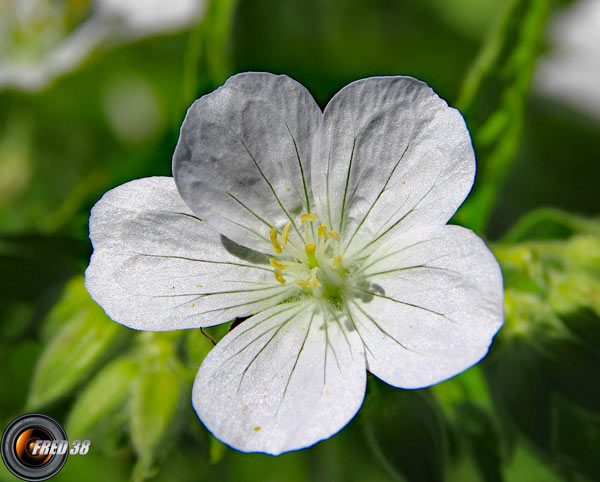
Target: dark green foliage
<point>405,429</point>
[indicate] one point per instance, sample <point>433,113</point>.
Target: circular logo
<point>34,447</point>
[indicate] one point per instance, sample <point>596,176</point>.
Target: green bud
<point>106,393</point>
<point>74,299</point>
<point>154,399</point>
<point>573,291</point>
<point>73,351</point>
<point>584,252</point>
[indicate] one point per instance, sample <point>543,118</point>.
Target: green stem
<point>500,77</point>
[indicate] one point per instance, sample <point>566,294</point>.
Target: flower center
<point>312,262</point>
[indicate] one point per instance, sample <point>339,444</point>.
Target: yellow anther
<point>336,262</point>
<point>276,245</point>
<point>310,283</point>
<point>333,235</point>
<point>279,276</point>
<point>276,263</point>
<point>310,249</point>
<point>322,231</point>
<point>308,217</point>
<point>285,233</point>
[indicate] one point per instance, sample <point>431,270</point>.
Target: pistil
<point>310,249</point>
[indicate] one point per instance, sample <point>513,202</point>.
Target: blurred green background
<point>92,95</point>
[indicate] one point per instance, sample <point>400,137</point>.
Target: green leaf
<point>527,467</point>
<point>74,299</point>
<point>154,399</point>
<point>18,361</point>
<point>577,441</point>
<point>549,223</point>
<point>520,388</point>
<point>476,425</point>
<point>468,386</point>
<point>585,325</point>
<point>73,352</point>
<point>475,442</point>
<point>107,392</point>
<point>574,371</point>
<point>406,431</point>
<point>33,264</point>
<point>216,451</point>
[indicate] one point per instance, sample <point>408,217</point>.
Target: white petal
<point>433,306</point>
<point>243,156</point>
<point>281,381</point>
<point>157,267</point>
<point>140,18</point>
<point>391,154</point>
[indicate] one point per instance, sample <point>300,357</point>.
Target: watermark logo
<point>35,447</point>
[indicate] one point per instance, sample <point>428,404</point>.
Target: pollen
<point>275,263</point>
<point>336,262</point>
<point>285,233</point>
<point>279,276</point>
<point>276,245</point>
<point>305,218</point>
<point>309,283</point>
<point>333,235</point>
<point>322,231</point>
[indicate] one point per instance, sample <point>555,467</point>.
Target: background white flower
<point>329,228</point>
<point>37,45</point>
<point>571,71</point>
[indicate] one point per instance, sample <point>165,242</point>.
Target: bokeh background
<point>92,94</point>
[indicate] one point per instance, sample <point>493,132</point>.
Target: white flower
<point>570,72</point>
<point>328,227</point>
<point>35,49</point>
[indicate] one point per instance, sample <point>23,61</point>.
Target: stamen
<point>334,235</point>
<point>275,263</point>
<point>285,233</point>
<point>276,245</point>
<point>279,276</point>
<point>336,262</point>
<point>310,283</point>
<point>322,231</point>
<point>308,217</point>
<point>310,249</point>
